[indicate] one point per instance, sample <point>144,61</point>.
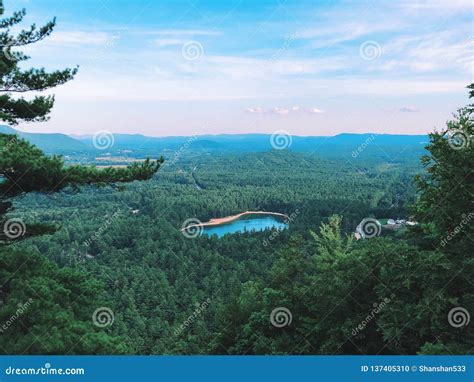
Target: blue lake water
<point>246,224</point>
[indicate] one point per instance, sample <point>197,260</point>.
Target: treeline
<point>153,278</point>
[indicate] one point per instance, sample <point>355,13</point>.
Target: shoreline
<point>231,218</point>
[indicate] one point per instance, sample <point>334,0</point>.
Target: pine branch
<point>35,80</point>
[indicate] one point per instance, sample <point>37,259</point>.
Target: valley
<point>131,241</point>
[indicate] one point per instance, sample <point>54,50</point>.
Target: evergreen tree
<point>56,305</point>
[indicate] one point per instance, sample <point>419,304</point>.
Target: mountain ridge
<point>254,142</point>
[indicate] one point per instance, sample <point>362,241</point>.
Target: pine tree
<point>23,167</point>
<point>49,308</point>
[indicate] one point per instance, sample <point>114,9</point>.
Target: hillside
<point>52,143</point>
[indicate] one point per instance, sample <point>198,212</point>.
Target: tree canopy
<point>60,302</point>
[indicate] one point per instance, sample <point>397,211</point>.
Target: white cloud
<point>437,5</point>
<point>164,42</point>
<point>257,110</point>
<point>81,38</point>
<point>283,110</point>
<point>315,110</point>
<point>280,110</point>
<point>409,109</point>
<point>187,32</point>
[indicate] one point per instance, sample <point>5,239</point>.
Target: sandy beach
<point>228,219</point>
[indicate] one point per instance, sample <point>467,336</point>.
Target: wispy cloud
<point>278,68</point>
<point>409,109</point>
<point>436,5</point>
<point>315,110</point>
<point>164,42</point>
<point>81,38</point>
<point>187,32</point>
<point>284,110</point>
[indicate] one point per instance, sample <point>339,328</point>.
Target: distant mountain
<point>256,142</point>
<point>342,145</point>
<point>53,143</point>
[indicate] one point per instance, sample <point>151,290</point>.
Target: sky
<point>161,68</point>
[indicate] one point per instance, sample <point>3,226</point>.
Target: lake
<point>248,223</point>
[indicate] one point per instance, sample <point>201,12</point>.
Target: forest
<point>93,261</point>
<point>121,248</point>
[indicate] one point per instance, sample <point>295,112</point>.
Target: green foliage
<point>386,295</point>
<point>48,310</point>
<point>25,169</point>
<point>56,305</point>
<point>15,80</point>
<point>447,187</point>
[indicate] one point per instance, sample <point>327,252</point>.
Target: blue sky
<point>309,67</point>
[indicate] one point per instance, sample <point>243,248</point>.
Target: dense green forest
<point>93,261</point>
<point>170,294</point>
